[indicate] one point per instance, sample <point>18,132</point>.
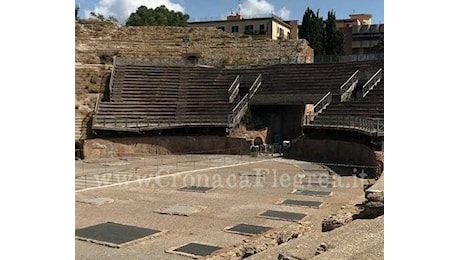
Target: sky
<point>200,10</point>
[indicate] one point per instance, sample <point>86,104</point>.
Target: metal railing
<point>238,111</point>
<point>99,98</point>
<point>234,89</point>
<point>349,85</point>
<point>372,82</point>
<point>255,86</point>
<point>224,18</point>
<point>322,103</point>
<point>111,77</point>
<point>141,167</point>
<point>147,123</point>
<point>151,61</point>
<point>211,62</point>
<point>368,125</point>
<point>168,61</point>
<point>287,99</point>
<point>348,58</point>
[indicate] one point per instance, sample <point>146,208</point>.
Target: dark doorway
<point>78,151</point>
<point>192,59</point>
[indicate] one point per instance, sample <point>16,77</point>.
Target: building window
<point>221,28</point>
<point>262,29</point>
<point>235,29</point>
<point>281,33</point>
<point>248,29</point>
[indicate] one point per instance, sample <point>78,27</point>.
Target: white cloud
<point>121,9</point>
<point>251,8</point>
<point>257,8</point>
<point>284,13</point>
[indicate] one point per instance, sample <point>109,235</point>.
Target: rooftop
<point>238,17</point>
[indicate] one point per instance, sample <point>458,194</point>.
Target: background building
<point>360,35</point>
<point>272,27</point>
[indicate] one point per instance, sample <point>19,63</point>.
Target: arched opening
<point>192,59</point>
<point>258,141</point>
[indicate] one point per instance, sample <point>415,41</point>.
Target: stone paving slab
<point>246,229</point>
<point>302,203</point>
<point>96,201</point>
<point>181,210</point>
<point>315,193</point>
<point>114,235</point>
<point>193,188</point>
<point>253,174</point>
<point>318,184</point>
<point>282,215</point>
<point>194,249</point>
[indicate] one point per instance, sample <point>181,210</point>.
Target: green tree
<point>100,17</point>
<point>158,16</point>
<point>323,36</point>
<point>312,30</point>
<point>333,39</point>
<point>77,8</point>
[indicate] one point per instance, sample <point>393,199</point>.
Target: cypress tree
<point>312,30</point>
<point>323,36</point>
<point>333,39</point>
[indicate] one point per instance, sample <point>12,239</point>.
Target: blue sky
<point>216,9</point>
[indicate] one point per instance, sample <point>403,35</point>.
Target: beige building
<point>360,35</point>
<point>272,27</point>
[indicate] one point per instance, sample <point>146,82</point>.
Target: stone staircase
<point>371,106</point>
<point>292,84</point>
<point>156,97</point>
<point>80,127</point>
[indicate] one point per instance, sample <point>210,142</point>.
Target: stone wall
<point>333,151</point>
<point>96,43</point>
<point>134,146</point>
<point>242,132</point>
<point>90,81</point>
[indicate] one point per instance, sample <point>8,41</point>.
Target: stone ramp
<point>375,192</point>
<point>374,204</point>
<point>361,239</point>
<point>306,245</point>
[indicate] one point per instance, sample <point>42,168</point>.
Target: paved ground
<point>240,193</point>
<point>103,172</point>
